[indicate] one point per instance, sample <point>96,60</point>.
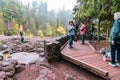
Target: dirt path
<point>63,70</point>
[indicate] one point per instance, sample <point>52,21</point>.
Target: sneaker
<point>118,64</point>
<point>111,64</point>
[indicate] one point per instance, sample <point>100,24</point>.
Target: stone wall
<point>14,45</point>
<point>52,48</point>
<point>7,69</point>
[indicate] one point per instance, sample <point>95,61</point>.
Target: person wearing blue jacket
<point>115,40</point>
<point>71,33</point>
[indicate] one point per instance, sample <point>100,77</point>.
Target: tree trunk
<point>98,31</point>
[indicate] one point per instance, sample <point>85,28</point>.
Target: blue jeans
<point>70,41</point>
<point>83,38</point>
<point>115,49</point>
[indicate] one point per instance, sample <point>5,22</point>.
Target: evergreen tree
<point>14,27</point>
<point>2,29</point>
<point>32,26</point>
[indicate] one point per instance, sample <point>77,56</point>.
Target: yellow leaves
<point>16,27</point>
<point>29,34</point>
<point>40,34</point>
<point>61,30</point>
<point>20,28</point>
<point>48,30</point>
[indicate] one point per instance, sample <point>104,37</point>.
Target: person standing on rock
<point>82,32</point>
<point>20,29</point>
<point>71,33</point>
<point>115,40</point>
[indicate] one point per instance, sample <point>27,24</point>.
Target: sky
<point>57,4</point>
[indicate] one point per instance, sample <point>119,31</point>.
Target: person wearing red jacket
<point>82,32</point>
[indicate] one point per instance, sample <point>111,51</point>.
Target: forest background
<point>34,17</point>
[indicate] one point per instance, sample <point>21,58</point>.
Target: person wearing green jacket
<point>115,40</point>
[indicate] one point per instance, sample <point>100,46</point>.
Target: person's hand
<point>113,42</point>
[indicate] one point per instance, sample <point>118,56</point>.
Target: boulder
<point>3,75</point>
<point>69,77</point>
<point>3,47</point>
<point>19,67</point>
<point>41,54</point>
<point>52,48</point>
<point>0,68</point>
<point>14,62</point>
<point>10,79</point>
<point>4,64</point>
<point>10,73</point>
<point>40,50</point>
<point>52,51</point>
<point>7,68</point>
<point>1,58</point>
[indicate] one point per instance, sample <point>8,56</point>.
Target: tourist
<point>71,33</point>
<point>115,40</point>
<point>92,32</point>
<point>76,28</point>
<point>82,32</point>
<point>21,33</point>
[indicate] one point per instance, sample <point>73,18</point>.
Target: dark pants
<point>115,49</point>
<point>91,36</point>
<point>70,41</point>
<point>83,38</point>
<point>22,38</point>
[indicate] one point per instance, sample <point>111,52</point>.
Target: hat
<point>70,20</point>
<point>116,15</point>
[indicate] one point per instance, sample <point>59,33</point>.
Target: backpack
<point>75,38</point>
